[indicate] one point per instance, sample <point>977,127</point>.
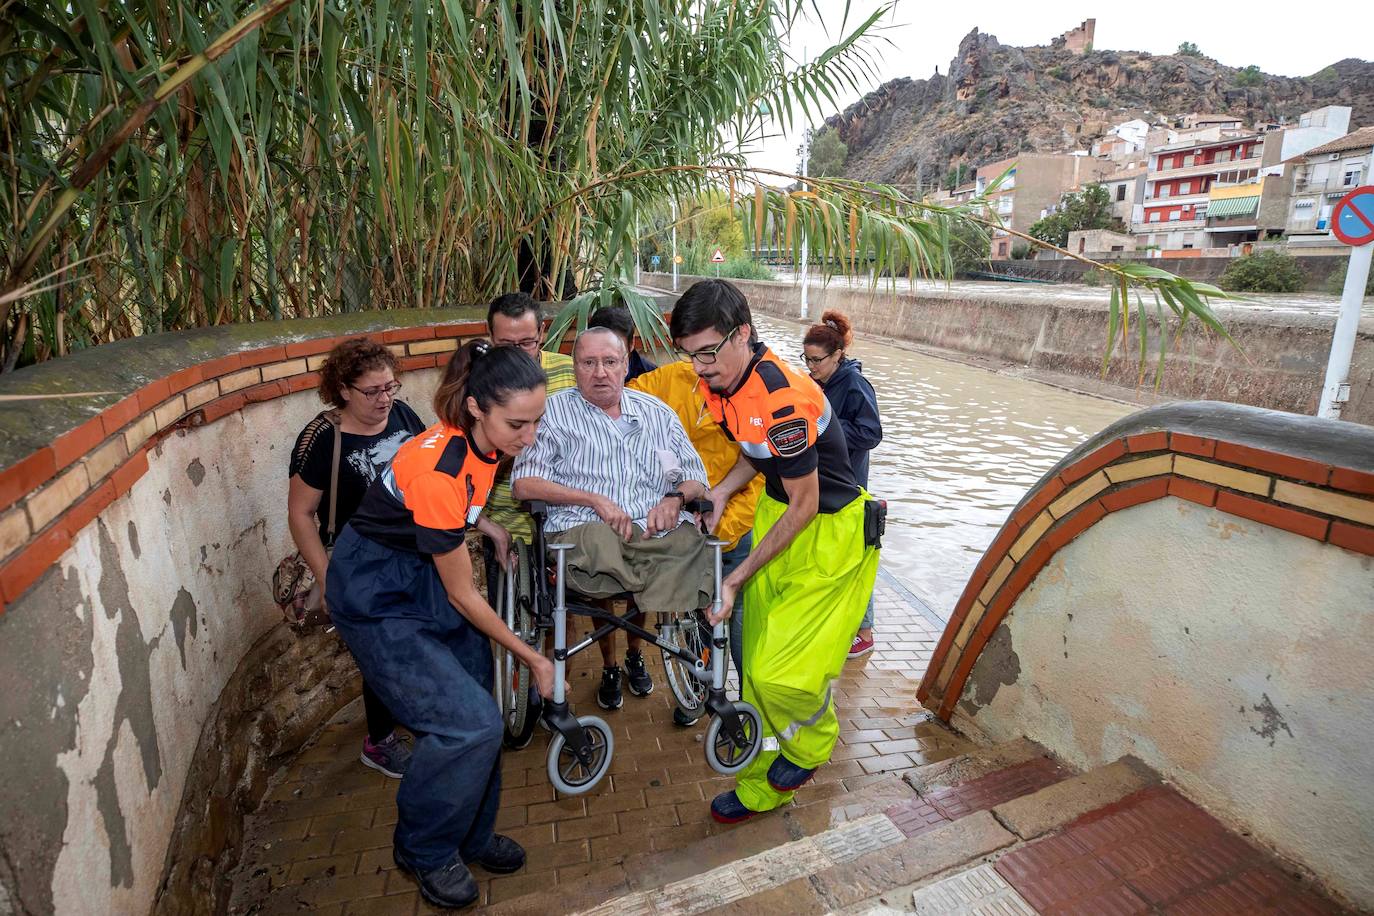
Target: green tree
<point>828,154</point>
<point>180,164</point>
<point>1188,49</point>
<point>1250,76</point>
<point>956,176</point>
<point>1263,272</point>
<point>1090,208</point>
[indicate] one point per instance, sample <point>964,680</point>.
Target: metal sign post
<point>676,259</point>
<point>1352,223</point>
<point>718,258</point>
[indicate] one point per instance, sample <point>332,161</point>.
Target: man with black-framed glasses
<point>814,560</point>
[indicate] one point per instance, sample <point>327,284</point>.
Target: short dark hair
<point>714,304</point>
<point>615,318</point>
<point>512,305</point>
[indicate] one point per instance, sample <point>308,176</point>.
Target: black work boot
<point>608,695</point>
<point>449,885</point>
<point>641,684</point>
<point>502,856</point>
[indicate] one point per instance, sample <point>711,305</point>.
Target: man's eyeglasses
<point>375,393</point>
<point>817,360</point>
<point>610,364</point>
<point>528,344</point>
<point>707,355</point>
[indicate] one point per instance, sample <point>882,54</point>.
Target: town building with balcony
<point>1178,182</point>
<point>1033,185</point>
<point>1320,178</point>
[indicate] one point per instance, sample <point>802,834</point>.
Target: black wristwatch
<point>678,493</point>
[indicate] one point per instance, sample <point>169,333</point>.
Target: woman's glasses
<point>817,360</point>
<point>375,393</point>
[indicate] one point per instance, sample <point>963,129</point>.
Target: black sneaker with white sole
<point>641,684</point>
<point>608,695</point>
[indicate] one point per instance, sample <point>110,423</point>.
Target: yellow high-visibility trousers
<point>801,611</point>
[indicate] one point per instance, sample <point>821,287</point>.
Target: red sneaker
<point>860,647</point>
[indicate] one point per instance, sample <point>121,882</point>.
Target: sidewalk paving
<point>321,840</point>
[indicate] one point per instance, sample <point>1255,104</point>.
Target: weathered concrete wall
<point>1280,364</point>
<point>151,651</point>
<point>1229,655</point>
<point>1316,269</point>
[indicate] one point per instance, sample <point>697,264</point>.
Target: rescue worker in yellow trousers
<point>807,581</point>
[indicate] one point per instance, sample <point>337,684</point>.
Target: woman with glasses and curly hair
<point>358,382</point>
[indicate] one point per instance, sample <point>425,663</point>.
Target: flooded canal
<point>960,448</point>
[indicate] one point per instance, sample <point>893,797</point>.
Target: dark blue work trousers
<point>433,670</point>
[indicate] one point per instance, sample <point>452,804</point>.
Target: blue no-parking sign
<point>1353,219</point>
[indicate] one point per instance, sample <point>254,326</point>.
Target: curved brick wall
<point>145,678</point>
<point>1194,586</point>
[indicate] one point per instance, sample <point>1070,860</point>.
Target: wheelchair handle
<point>697,506</point>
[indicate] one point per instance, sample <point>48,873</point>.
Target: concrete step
<point>827,855</point>
<point>875,862</point>
<point>1147,851</point>
<point>817,810</point>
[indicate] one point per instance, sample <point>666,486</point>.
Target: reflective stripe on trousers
<point>801,611</point>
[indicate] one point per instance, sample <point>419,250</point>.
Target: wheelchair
<point>532,598</point>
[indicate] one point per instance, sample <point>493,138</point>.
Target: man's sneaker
<point>686,720</point>
<point>786,776</point>
<point>449,885</point>
<point>608,695</point>
<point>390,756</point>
<point>726,808</point>
<point>641,684</point>
<point>860,647</point>
<point>502,856</point>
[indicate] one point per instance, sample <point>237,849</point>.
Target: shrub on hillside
<point>1263,272</point>
<point>1335,284</point>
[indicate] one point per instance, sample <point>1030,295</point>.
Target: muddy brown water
<point>961,445</point>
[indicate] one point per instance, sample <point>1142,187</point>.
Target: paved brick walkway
<point>321,841</point>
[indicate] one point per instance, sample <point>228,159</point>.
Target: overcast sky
<point>922,35</point>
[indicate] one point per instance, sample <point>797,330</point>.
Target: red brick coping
<point>1301,495</point>
<point>51,494</point>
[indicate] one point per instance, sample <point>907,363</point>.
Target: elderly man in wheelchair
<point>616,491</point>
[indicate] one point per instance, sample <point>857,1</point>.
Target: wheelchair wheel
<point>515,680</point>
<point>568,774</point>
<point>693,633</point>
<point>722,753</point>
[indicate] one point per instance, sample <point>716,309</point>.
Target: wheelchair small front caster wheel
<point>572,776</point>
<point>723,753</point>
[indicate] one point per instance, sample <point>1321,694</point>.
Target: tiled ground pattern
<point>946,803</point>
<point>1154,852</point>
<point>321,841</point>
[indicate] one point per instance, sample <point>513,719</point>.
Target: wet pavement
<point>321,841</point>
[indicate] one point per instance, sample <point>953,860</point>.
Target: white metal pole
<point>1336,391</point>
<point>637,266</point>
<point>674,203</point>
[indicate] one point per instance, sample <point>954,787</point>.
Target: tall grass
<point>179,164</point>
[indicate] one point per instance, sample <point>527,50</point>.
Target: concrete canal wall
<point>1279,365</point>
<point>148,687</point>
<point>1194,587</point>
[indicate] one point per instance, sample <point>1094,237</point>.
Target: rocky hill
<point>997,101</point>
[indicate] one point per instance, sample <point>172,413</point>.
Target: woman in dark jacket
<point>855,405</point>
